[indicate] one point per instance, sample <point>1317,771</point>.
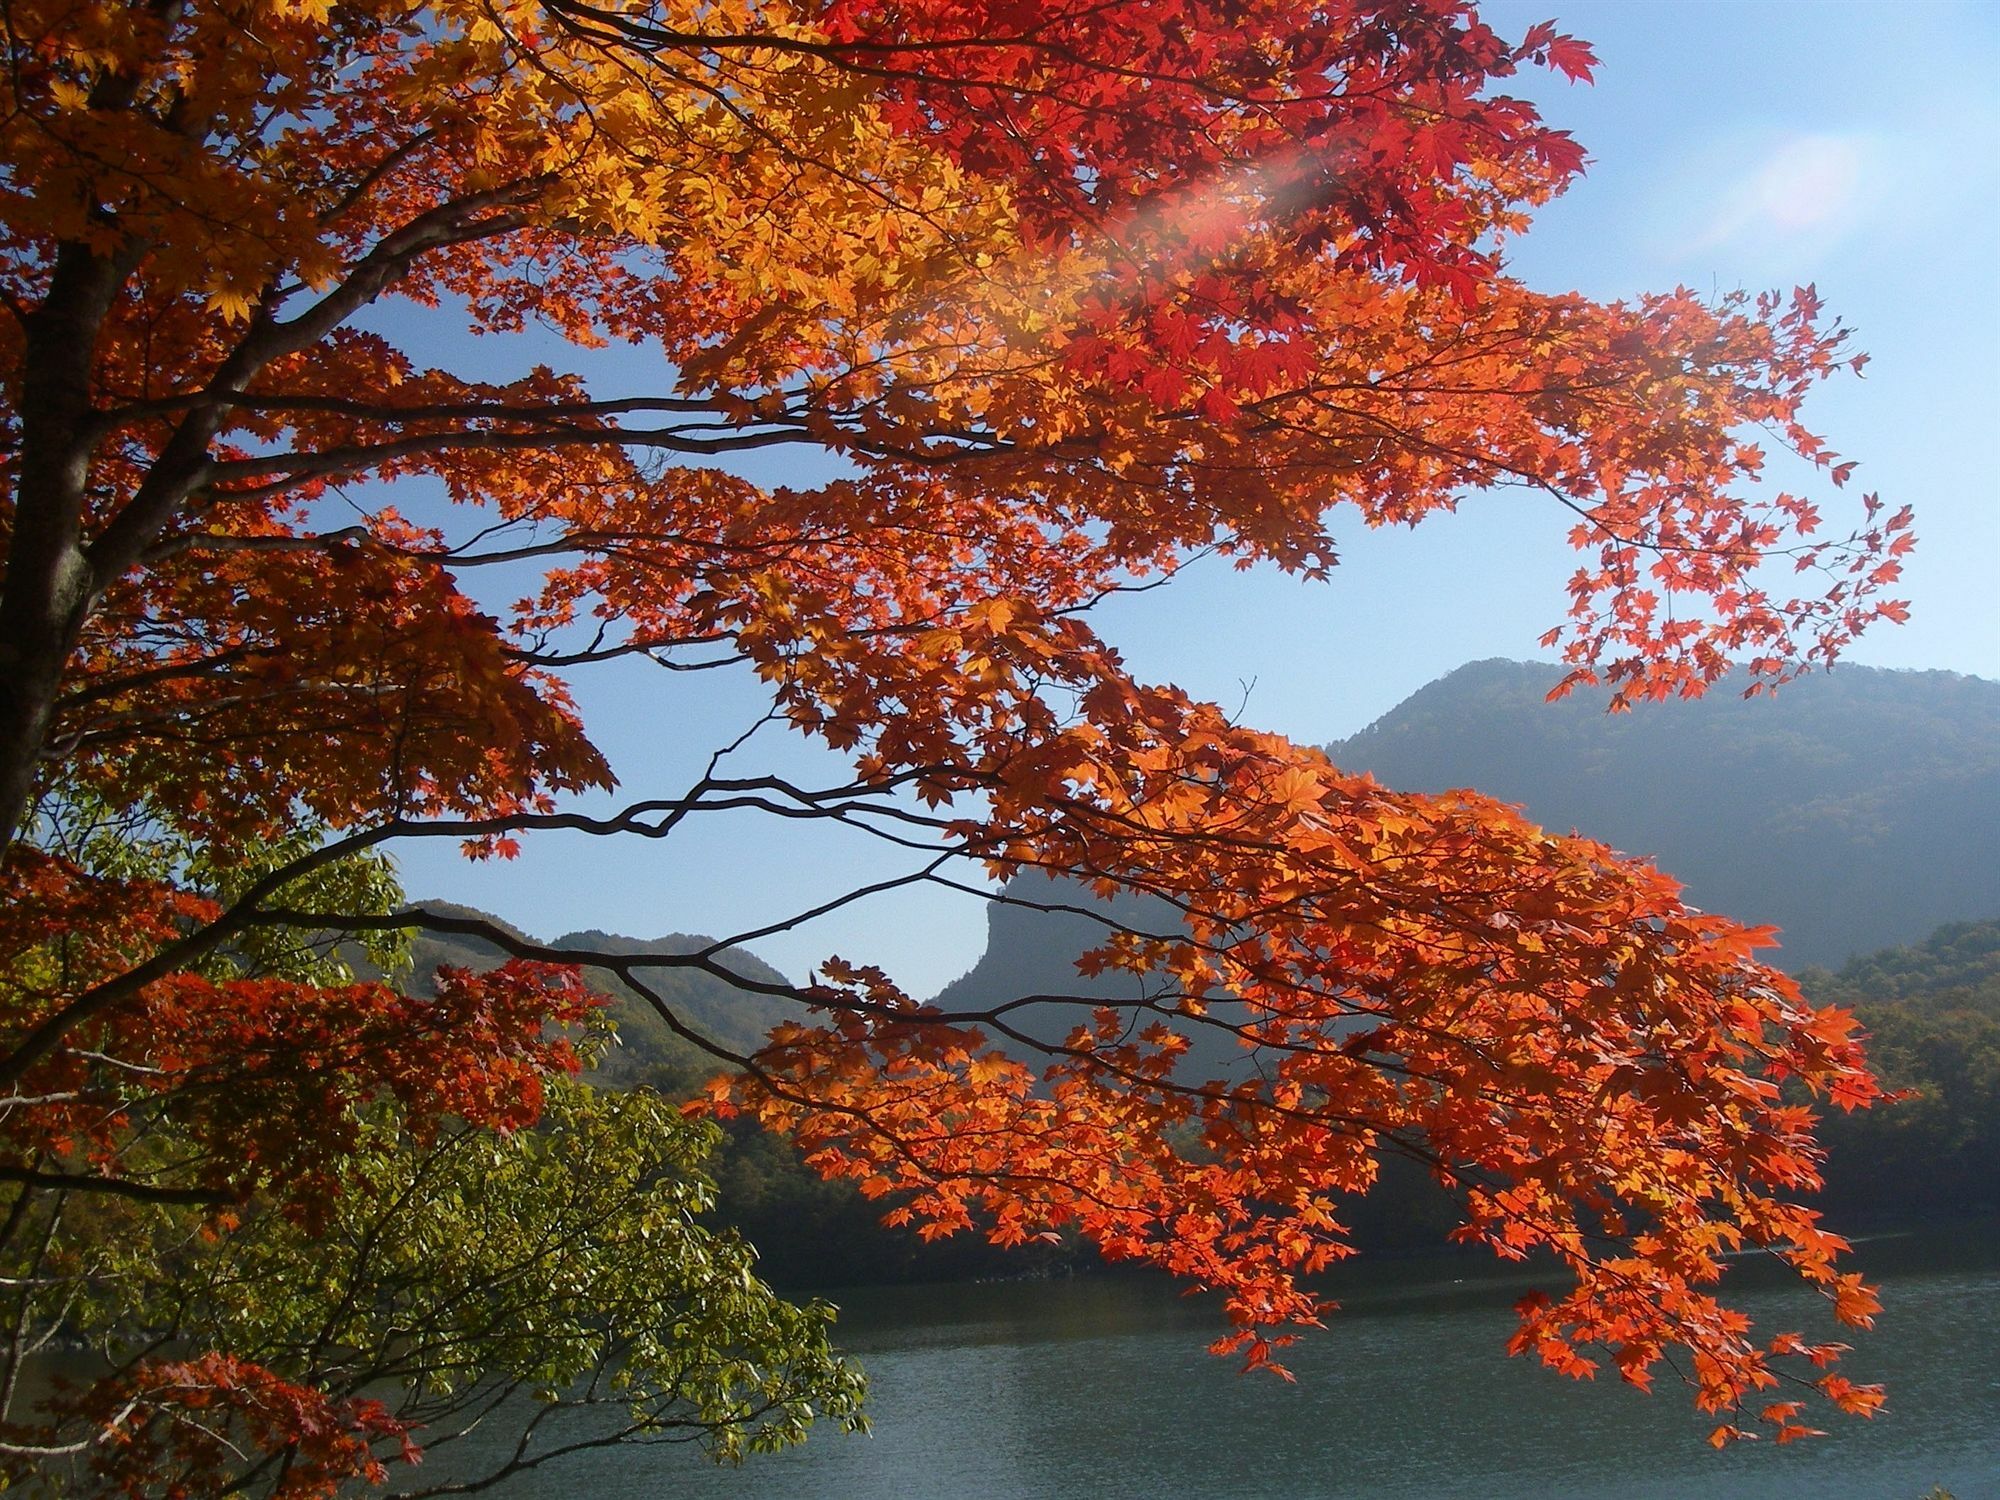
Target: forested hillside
<point>1933,1014</point>
<point>646,1051</point>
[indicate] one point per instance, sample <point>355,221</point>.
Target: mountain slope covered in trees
<point>647,1051</point>
<point>1932,1011</point>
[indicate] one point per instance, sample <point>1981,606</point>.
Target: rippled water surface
<point>1101,1387</point>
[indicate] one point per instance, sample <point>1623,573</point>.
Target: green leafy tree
<point>552,1290</point>
<point>553,1287</point>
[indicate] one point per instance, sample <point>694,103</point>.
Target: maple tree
<point>1073,291</point>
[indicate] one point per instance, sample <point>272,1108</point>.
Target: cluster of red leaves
<point>1655,536</point>
<point>339,679</point>
<point>173,1429</point>
<point>265,1081</point>
<point>1366,118</point>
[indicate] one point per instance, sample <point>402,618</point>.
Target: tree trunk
<point>49,584</point>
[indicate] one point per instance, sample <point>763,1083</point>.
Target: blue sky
<point>1854,145</point>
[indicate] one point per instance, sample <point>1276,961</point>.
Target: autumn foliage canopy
<point>1072,291</point>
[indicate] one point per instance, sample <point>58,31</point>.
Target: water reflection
<point>1101,1387</point>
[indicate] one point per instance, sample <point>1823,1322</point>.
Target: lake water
<point>1100,1387</point>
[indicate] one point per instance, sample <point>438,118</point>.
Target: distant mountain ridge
<point>1856,810</point>
<point>648,1050</point>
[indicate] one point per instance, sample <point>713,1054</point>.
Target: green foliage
<point>556,1285</point>
<point>560,1288</point>
<point>124,844</point>
<point>1957,964</point>
<point>1933,1013</point>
